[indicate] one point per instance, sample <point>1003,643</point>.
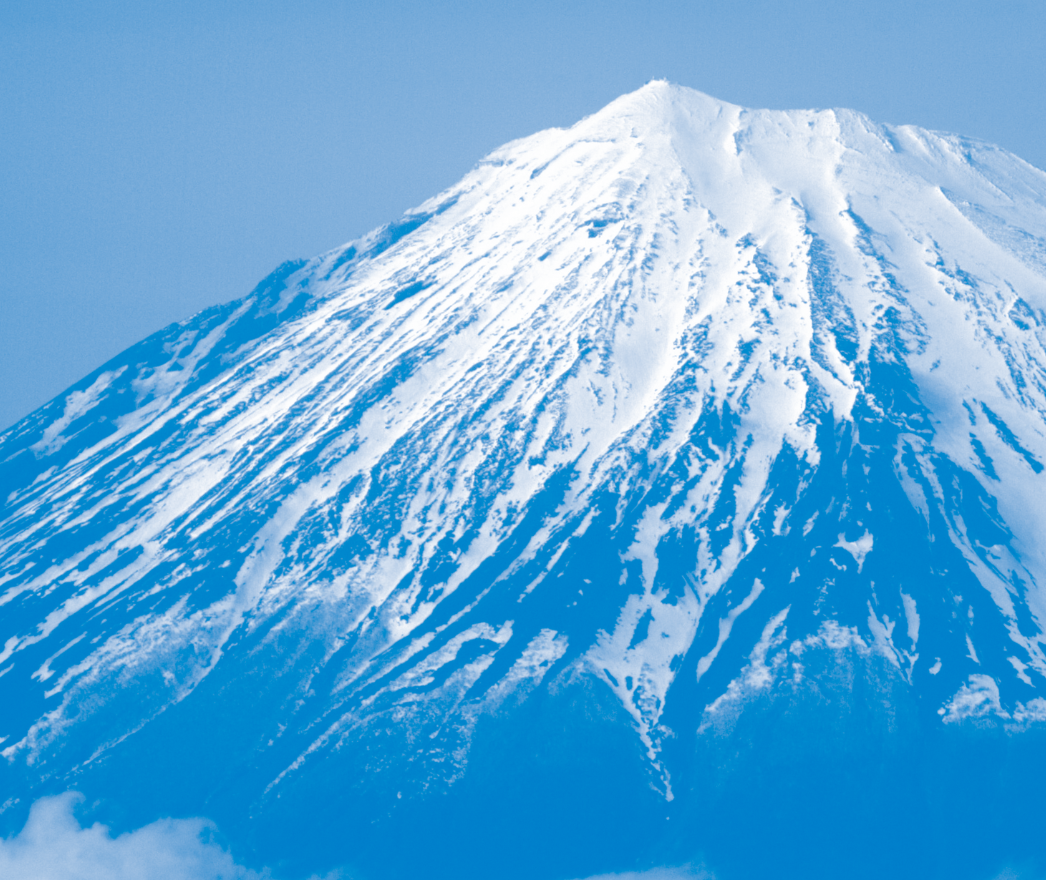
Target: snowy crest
<point>671,400</point>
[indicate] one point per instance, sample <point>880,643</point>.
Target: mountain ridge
<point>680,400</point>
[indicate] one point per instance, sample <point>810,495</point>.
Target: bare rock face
<point>670,490</point>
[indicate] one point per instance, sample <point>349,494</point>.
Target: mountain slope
<point>684,410</point>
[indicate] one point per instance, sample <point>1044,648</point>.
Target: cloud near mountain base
<point>685,872</point>
<point>53,846</point>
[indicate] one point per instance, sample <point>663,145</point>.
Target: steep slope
<point>680,412</point>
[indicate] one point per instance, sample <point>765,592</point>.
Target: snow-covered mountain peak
<point>678,403</point>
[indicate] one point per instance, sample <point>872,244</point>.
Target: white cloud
<point>684,872</point>
<point>53,846</point>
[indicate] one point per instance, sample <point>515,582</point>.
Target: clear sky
<point>157,158</point>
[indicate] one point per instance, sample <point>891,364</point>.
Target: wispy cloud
<point>683,872</point>
<point>53,846</point>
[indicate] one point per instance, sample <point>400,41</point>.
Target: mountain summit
<point>670,489</point>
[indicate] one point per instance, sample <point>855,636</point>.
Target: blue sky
<point>157,158</point>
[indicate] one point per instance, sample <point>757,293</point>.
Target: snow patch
<point>912,617</point>
<point>77,404</point>
<point>756,676</point>
<point>977,698</point>
<point>858,549</point>
<point>725,626</point>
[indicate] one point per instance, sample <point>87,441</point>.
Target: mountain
<point>670,490</point>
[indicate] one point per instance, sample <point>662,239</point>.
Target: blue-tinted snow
<point>557,494</point>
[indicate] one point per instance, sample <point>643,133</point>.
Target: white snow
<point>591,292</point>
<point>975,699</point>
<point>912,616</point>
<point>756,676</point>
<point>725,625</point>
<point>858,549</point>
